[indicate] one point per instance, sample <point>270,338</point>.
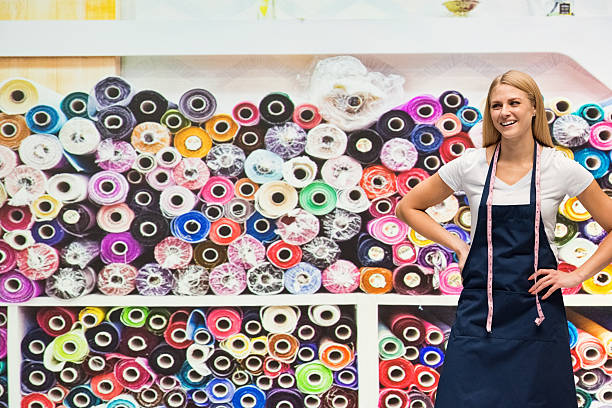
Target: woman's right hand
<point>462,252</point>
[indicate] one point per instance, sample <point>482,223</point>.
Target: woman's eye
<point>495,106</point>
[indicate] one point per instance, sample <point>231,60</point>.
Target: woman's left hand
<point>554,279</point>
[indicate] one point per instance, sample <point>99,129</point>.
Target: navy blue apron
<point>518,364</point>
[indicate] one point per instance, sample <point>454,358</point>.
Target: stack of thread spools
<point>128,192</point>
<point>412,344</point>
<point>139,357</point>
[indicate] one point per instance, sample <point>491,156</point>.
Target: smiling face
<point>511,112</point>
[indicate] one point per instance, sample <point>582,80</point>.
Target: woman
<point>509,346</point>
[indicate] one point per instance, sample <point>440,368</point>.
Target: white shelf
<point>580,38</point>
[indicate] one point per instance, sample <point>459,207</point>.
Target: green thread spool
<point>313,378</point>
<point>318,198</point>
<point>174,120</point>
<point>565,230</point>
<point>134,316</point>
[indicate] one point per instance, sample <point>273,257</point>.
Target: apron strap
<point>534,196</point>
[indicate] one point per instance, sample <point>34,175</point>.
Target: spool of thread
<point>74,105</point>
<point>113,155</point>
<point>279,319</point>
<point>168,157</point>
<point>238,209</point>
<point>364,146</point>
<point>154,280</point>
<point>341,172</point>
<point>299,171</point>
<point>571,130</point>
<point>148,106</point>
<point>561,106</point>
<point>395,123</point>
<point>224,231</point>
<point>326,141</point>
<point>275,198</point>
<point>378,182</point>
<point>263,166</point>
<point>463,218</point>
<point>595,161</point>
<point>341,225</point>
<point>423,109</point>
<point>591,112</point>
<point>150,137</point>
<point>245,188</point>
<point>191,281</point>
<point>117,279</point>
<point>372,252</point>
<point>591,230</point>
<point>221,128</point>
<point>149,228</point>
<point>600,283</point>
<point>106,386</point>
<point>213,212</point>
<point>383,206</point>
<point>434,257</point>
<point>341,276</point>
<point>110,90</point>
<point>303,278</point>
<point>412,279</point>
<point>388,229</point>
<point>43,152</point>
<point>223,322</point>
<point>284,255</point>
<point>38,261</point>
<point>174,120</point>
<point>192,227</point>
<point>601,136</point>
<point>70,283</point>
<point>375,280</point>
<point>226,160</point>
<point>574,210</point>
<point>173,253</point>
<point>143,199</point>
<point>318,198</point>
<point>307,116</point>
<point>450,280</point>
<point>119,248</point>
<point>16,218</point>
<point>286,140</point>
<point>297,227</point>
<point>34,344</point>
<point>176,332</point>
<point>67,187</point>
<point>250,138</point>
<point>249,396</point>
<point>132,375</point>
<point>265,279</point>
<point>454,146</point>
<point>321,252</point>
<point>115,218</point>
<point>469,116</point>
<point>192,141</point>
<point>246,113</point>
<point>261,228</point>
<point>209,255</point>
<point>408,180</point>
<point>35,377</point>
<point>426,139</point>
<point>276,108</point>
<point>45,119</point>
<point>197,105</point>
<point>13,129</point>
<point>398,154</point>
<point>166,360</point>
<point>217,190</point>
<point>79,136</point>
<point>46,207</point>
<point>227,279</point>
<point>107,188</point>
<point>324,315</point>
<point>313,378</point>
<point>115,122</point>
<point>449,124</point>
<point>176,200</point>
<point>246,252</point>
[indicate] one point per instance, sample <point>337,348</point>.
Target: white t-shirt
<point>559,176</point>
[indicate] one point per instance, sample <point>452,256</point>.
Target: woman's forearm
<point>598,261</point>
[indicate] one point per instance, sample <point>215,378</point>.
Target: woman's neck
<point>517,150</point>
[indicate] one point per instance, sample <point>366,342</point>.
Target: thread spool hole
<point>319,198</point>
<point>223,324</point>
<point>222,127</point>
<point>20,240</point>
<point>37,377</point>
<point>179,335</point>
<point>18,96</point>
<point>550,116</point>
<point>197,103</point>
<point>278,198</point>
<point>173,121</point>
<point>238,344</point>
<point>238,209</point>
<point>248,401</point>
<point>280,318</point>
<point>148,107</point>
<point>396,124</point>
<point>282,346</point>
<point>285,254</point>
<point>432,162</point>
<point>276,108</point>
<point>213,212</point>
<point>222,363</point>
<point>396,373</point>
<point>113,122</point>
<point>210,255</point>
<point>224,231</point>
<point>273,365</point>
<point>343,332</point>
<point>78,106</point>
<point>469,115</point>
<point>307,115</point>
<point>315,378</point>
<point>116,216</point>
<point>176,400</point>
<point>161,177</point>
<point>17,215</point>
<point>134,176</point>
<point>176,200</point>
<point>168,157</point>
<point>258,346</point>
<point>306,332</point>
<point>458,148</point>
<point>9,130</point>
<point>425,111</point>
<point>12,285</point>
<point>165,360</point>
<point>306,354</point>
<point>148,229</point>
<point>199,396</point>
<point>286,380</point>
<point>56,394</point>
<point>107,187</point>
<point>252,327</point>
<point>312,401</point>
<point>149,395</point>
<point>449,125</point>
<point>192,227</point>
<point>218,191</point>
<point>605,135</point>
<point>220,390</point>
<point>137,343</point>
<point>117,279</point>
<point>347,377</point>
<point>103,339</point>
<point>592,113</point>
<point>119,248</point>
<point>194,376</point>
<point>452,100</point>
<point>36,347</point>
<point>250,138</point>
<point>300,174</point>
<point>262,226</point>
<point>69,347</point>
<point>355,101</point>
<point>246,189</point>
<point>340,401</point>
<point>42,118</point>
<point>335,356</point>
<point>253,363</point>
<point>81,400</point>
<point>264,383</point>
<point>145,162</point>
<point>383,207</point>
<point>245,113</point>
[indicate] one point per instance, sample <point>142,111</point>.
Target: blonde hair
<point>539,125</point>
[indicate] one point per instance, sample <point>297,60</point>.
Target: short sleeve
<point>452,173</point>
<point>576,178</point>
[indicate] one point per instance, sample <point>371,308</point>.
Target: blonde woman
<point>509,346</point>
